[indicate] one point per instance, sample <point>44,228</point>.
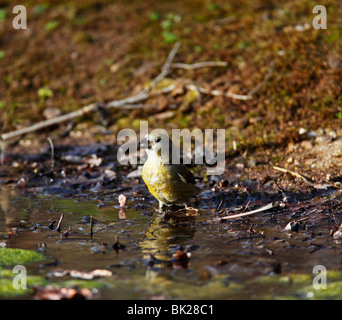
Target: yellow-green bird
<point>171,184</point>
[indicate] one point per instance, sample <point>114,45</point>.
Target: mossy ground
<point>12,256</point>
<point>74,53</point>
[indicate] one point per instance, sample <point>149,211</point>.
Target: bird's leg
<point>161,204</point>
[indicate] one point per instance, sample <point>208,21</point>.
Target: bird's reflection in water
<point>165,234</point>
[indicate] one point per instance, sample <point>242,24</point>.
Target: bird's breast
<point>164,183</point>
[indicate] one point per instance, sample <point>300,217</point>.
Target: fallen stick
<point>225,94</point>
<point>50,122</point>
<point>199,65</point>
<point>292,173</point>
<point>91,227</point>
<point>234,216</point>
<point>52,161</point>
<point>194,87</point>
<point>58,228</point>
<point>166,67</point>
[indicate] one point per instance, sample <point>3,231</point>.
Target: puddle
<point>241,259</point>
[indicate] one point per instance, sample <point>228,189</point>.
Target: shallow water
<point>256,260</point>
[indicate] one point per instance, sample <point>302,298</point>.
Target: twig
<point>166,67</point>
<point>2,152</point>
<point>234,216</point>
<point>225,94</point>
<point>144,94</point>
<point>191,86</point>
<point>227,20</point>
<point>58,229</point>
<point>91,227</point>
<point>218,207</point>
<point>199,65</point>
<point>52,162</point>
<point>138,106</point>
<point>250,94</point>
<point>50,122</point>
<point>69,116</point>
<point>295,174</point>
<point>246,206</point>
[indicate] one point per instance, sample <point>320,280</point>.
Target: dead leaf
<point>122,200</point>
<point>337,235</point>
<point>181,259</point>
<point>94,161</point>
<point>21,183</point>
<point>97,273</point>
<point>63,293</point>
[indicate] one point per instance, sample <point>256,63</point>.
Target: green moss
<point>51,25</point>
<point>169,37</point>
<point>92,284</point>
<point>332,291</point>
<point>334,37</point>
<point>12,257</point>
<point>7,289</point>
<point>2,54</point>
<point>3,14</point>
<point>44,93</point>
<point>40,9</point>
<point>281,280</point>
<point>154,16</point>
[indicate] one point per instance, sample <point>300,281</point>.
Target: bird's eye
<point>158,139</point>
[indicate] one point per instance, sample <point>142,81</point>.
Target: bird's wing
<point>185,175</point>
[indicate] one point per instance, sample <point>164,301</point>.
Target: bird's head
<point>157,145</point>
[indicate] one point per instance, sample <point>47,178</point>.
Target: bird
<point>170,183</point>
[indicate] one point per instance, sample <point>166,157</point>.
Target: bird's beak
<point>143,144</point>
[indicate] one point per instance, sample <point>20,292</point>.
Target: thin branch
<point>292,173</point>
<point>91,226</point>
<point>227,20</point>
<point>50,122</point>
<point>225,94</point>
<point>58,228</point>
<point>264,208</point>
<point>144,94</point>
<point>199,65</point>
<point>166,67</point>
<point>192,86</point>
<point>138,106</point>
<point>52,162</point>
